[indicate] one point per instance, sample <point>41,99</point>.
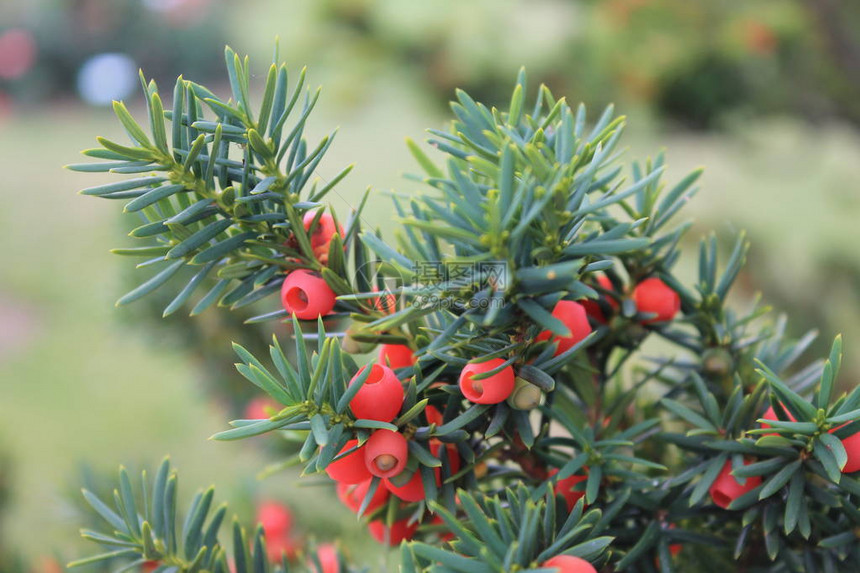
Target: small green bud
<point>228,196</point>
<point>717,363</point>
<point>526,396</point>
<point>352,346</point>
<point>635,332</point>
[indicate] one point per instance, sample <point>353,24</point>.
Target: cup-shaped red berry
<point>653,296</point>
<point>396,356</point>
<point>593,308</point>
<point>571,488</point>
<point>349,469</point>
<point>353,496</point>
<point>380,397</point>
<point>307,295</point>
<point>394,535</point>
<point>275,518</point>
<point>726,488</point>
<point>573,315</point>
<point>385,453</point>
<point>489,390</point>
<point>568,564</point>
<point>852,449</point>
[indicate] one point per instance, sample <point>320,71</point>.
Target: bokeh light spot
<point>17,53</point>
<point>106,77</point>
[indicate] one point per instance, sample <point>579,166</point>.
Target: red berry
<point>350,468</point>
<point>490,390</point>
<point>277,522</point>
<point>386,303</point>
<point>674,549</point>
<point>433,415</point>
<point>381,396</point>
<point>50,565</point>
<point>306,295</point>
<point>321,254</point>
<point>322,234</point>
<point>328,559</point>
<point>276,519</point>
<point>445,534</point>
<point>567,487</point>
<point>852,448</point>
<point>770,414</point>
<point>148,566</point>
<point>399,531</point>
<point>572,314</point>
<point>568,564</point>
<point>453,455</point>
<point>352,496</point>
<point>653,296</point>
<point>385,453</point>
<point>726,488</point>
<point>261,409</point>
<point>396,356</point>
<point>276,547</point>
<point>413,490</point>
<point>593,308</point>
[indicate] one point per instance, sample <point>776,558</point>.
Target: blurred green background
<point>765,95</point>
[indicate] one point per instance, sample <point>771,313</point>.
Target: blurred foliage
<point>693,61</point>
<point>163,37</point>
<point>206,339</point>
<point>160,540</point>
<point>834,279</point>
<point>8,561</point>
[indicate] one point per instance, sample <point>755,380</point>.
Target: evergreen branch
<point>150,534</point>
<point>197,205</point>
